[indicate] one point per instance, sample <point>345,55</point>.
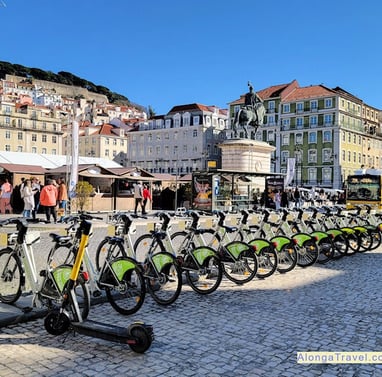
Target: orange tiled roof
<point>312,91</point>
<point>194,106</point>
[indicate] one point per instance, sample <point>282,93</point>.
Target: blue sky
<point>165,53</point>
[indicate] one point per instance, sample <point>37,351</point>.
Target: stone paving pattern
<point>250,330</point>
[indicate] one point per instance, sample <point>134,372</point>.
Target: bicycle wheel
<point>267,260</point>
<point>83,297</point>
<point>178,240</point>
<point>207,277</point>
<point>81,291</point>
<point>61,254</point>
<point>141,247</point>
<point>340,246</point>
<point>377,239</point>
<point>353,240</point>
<point>307,253</point>
<point>125,293</point>
<point>286,258</point>
<point>108,249</point>
<point>11,276</point>
<point>366,241</point>
<point>239,262</point>
<point>164,278</point>
<point>325,250</point>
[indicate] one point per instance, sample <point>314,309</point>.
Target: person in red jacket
<point>146,196</point>
<point>48,199</point>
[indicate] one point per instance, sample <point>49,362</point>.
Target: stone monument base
<point>246,155</point>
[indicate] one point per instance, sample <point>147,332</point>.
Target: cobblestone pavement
<point>250,330</point>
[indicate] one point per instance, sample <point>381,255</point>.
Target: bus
<point>364,187</point>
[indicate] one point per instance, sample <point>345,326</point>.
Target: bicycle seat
<point>58,238</point>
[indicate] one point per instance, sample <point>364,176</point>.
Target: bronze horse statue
<point>249,116</point>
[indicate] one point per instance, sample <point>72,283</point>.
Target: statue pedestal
<point>246,155</point>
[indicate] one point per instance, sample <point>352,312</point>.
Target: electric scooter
<point>138,335</point>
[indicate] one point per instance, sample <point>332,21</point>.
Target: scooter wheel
<point>56,323</point>
<point>142,337</point>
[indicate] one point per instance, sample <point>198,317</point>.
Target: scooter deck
<point>104,331</point>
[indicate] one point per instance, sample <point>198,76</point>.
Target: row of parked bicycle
<point>126,267</point>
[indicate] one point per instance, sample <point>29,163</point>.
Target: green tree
<point>83,191</point>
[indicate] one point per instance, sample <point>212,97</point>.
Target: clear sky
<point>165,53</point>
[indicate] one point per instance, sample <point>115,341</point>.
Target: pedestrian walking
<point>28,197</point>
<point>146,197</point>
<point>62,196</point>
<point>296,196</point>
<point>48,198</point>
<point>138,196</point>
<point>5,197</point>
<point>36,188</point>
<point>277,200</point>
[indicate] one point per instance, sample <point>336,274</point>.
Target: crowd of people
<point>297,198</point>
<point>30,195</point>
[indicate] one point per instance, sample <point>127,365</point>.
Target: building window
<point>19,148</point>
<point>286,123</point>
<point>284,157</point>
<point>114,141</point>
<point>107,141</point>
<point>312,137</point>
<point>285,139</point>
<point>313,105</point>
<point>186,121</point>
<point>106,152</point>
<point>7,120</point>
<point>327,174</point>
<point>299,138</point>
<point>271,120</point>
<point>43,150</point>
<point>34,137</point>
<point>300,107</point>
<point>270,136</point>
<point>195,133</point>
<point>196,120</point>
<point>328,103</point>
<point>236,109</point>
<point>327,136</point>
<point>44,126</point>
<point>54,151</point>
<point>7,134</point>
<point>286,108</point>
<point>328,119</point>
<point>326,155</point>
<point>34,150</point>
<point>54,139</point>
<point>313,120</point>
<point>19,123</point>
<point>299,122</point>
<point>43,138</point>
<point>271,105</point>
<point>8,148</point>
<point>312,155</point>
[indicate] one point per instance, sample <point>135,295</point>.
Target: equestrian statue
<point>251,114</point>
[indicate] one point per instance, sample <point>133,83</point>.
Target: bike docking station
<point>138,335</point>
